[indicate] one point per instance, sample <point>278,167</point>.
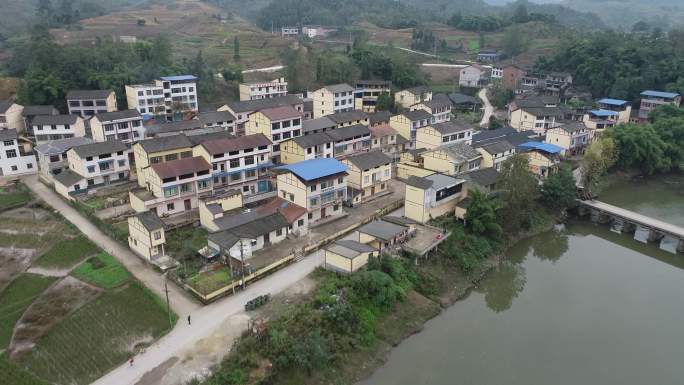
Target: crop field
<point>12,196</point>
<point>10,373</point>
<point>103,271</point>
<point>210,281</point>
<point>67,253</point>
<point>16,298</point>
<point>98,336</point>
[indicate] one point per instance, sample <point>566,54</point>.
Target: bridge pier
<point>598,216</point>
<point>669,244</point>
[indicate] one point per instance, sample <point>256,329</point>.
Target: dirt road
<point>488,108</point>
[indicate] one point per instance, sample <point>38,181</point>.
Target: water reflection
<point>503,285</point>
<point>551,245</point>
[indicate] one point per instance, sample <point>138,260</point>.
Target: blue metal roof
<point>660,94</point>
<point>178,78</point>
<point>546,147</point>
<point>613,102</point>
<point>603,113</point>
<point>315,168</point>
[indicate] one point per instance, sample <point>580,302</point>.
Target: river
<point>577,305</point>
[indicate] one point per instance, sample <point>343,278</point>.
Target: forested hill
<point>624,14</point>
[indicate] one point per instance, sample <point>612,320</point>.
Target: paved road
<point>181,302</point>
<point>488,108</point>
<point>207,320</point>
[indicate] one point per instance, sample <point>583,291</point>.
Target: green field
<point>12,374</point>
<point>99,336</point>
<point>15,299</point>
<point>67,253</point>
<point>210,281</point>
<point>13,196</point>
<point>103,271</point>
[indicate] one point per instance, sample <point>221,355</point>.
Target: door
<point>323,213</point>
<point>372,190</point>
<point>267,238</point>
<point>188,205</point>
<point>106,179</point>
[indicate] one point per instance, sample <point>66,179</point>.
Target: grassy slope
<point>15,299</point>
<point>103,271</point>
<point>67,253</point>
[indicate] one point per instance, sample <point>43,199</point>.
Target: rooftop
<point>290,211</point>
<point>45,120</point>
<point>221,146</point>
<point>483,177</point>
<point>461,151</point>
<point>38,110</point>
<point>542,146</point>
<point>61,145</point>
<point>349,132</point>
<point>179,167</point>
<point>99,148</point>
<point>342,87</point>
<point>165,143</point>
<point>5,105</point>
<point>210,117</point>
<point>463,99</point>
<point>613,102</point>
<point>178,78</point>
<point>369,160</point>
<point>68,178</point>
<point>260,104</point>
<point>150,220</point>
<point>418,90</point>
<point>379,117</point>
<point>382,130</point>
<point>439,100</point>
<point>317,124</point>
<point>347,116</point>
<point>382,230</point>
<point>452,126</point>
<point>417,115</point>
<point>117,115</point>
<point>603,113</point>
<point>497,147</point>
<point>349,249</point>
<point>313,139</point>
<point>281,113</point>
<point>436,181</point>
<point>168,127</point>
<point>8,134</point>
<point>88,94</point>
<point>660,94</point>
<point>313,169</point>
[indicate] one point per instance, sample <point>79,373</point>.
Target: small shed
<point>348,256</point>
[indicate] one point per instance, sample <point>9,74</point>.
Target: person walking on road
<point>131,361</point>
<point>189,320</point>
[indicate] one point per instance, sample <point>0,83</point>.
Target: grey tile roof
<point>98,148</point>
<point>45,120</point>
<point>573,126</point>
<point>118,115</point>
<point>165,143</point>
<point>349,249</point>
<point>417,115</point>
<point>497,147</point>
<point>483,177</point>
<point>225,239</point>
<point>382,230</point>
<point>368,160</point>
<point>215,117</point>
<point>208,136</point>
<point>418,90</point>
<point>438,100</point>
<point>61,145</point>
<point>452,126</point>
<point>461,151</point>
<point>342,87</point>
<point>419,182</point>
<point>317,124</point>
<point>347,116</point>
<point>346,133</point>
<point>8,134</point>
<point>457,98</point>
<point>543,111</point>
<point>5,105</point>
<point>440,181</point>
<point>150,220</point>
<point>311,140</point>
<point>379,117</point>
<point>251,224</point>
<point>260,104</point>
<point>68,178</point>
<point>88,94</point>
<point>38,110</point>
<point>178,126</point>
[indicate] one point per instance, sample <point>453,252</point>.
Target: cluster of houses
<point>272,165</point>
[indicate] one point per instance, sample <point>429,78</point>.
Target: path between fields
<point>488,108</point>
<point>181,302</point>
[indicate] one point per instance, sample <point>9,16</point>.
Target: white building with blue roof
<point>319,185</point>
<point>650,100</point>
<point>166,98</point>
<point>600,119</point>
<point>622,107</point>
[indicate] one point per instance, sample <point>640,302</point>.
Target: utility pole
<point>242,260</point>
<point>168,307</point>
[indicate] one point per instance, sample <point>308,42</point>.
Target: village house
<point>10,116</point>
<point>366,93</point>
<point>379,117</point>
<point>599,120</point>
<point>622,107</point>
<point>407,124</point>
<point>463,102</point>
<point>88,103</point>
<point>240,163</point>
<point>347,256</point>
<point>14,159</point>
<point>483,179</point>
<point>313,146</point>
<point>319,185</point>
<point>495,153</point>
<point>572,137</point>
<point>440,134</point>
<point>544,158</point>
<point>409,97</point>
<point>537,119</point>
<point>158,150</point>
<point>223,120</point>
<point>53,127</point>
<point>263,90</point>
<point>243,109</point>
<point>91,166</point>
<point>165,98</point>
<point>512,76</point>
<point>125,126</point>
<point>218,204</point>
<point>349,118</point>
<point>289,31</point>
<point>332,99</point>
<point>278,124</point>
<point>387,139</point>
<point>146,235</point>
<point>52,156</point>
<point>382,235</point>
<point>556,83</point>
<point>173,187</point>
<point>439,107</point>
<point>473,76</point>
<point>452,159</point>
<point>525,101</point>
<point>650,100</point>
<point>30,112</point>
<point>369,175</point>
<point>318,125</point>
<point>432,196</point>
<point>487,56</point>
<point>350,140</point>
<point>188,127</point>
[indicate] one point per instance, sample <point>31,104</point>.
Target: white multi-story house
<point>87,103</point>
<point>125,126</point>
<point>243,109</point>
<point>263,90</point>
<point>10,115</point>
<point>240,163</point>
<point>650,100</point>
<point>278,124</point>
<point>30,112</point>
<point>166,97</point>
<point>350,140</point>
<point>14,160</point>
<point>214,119</point>
<point>474,76</point>
<point>52,156</point>
<point>93,165</point>
<point>332,99</point>
<point>537,119</point>
<point>439,107</point>
<point>54,127</point>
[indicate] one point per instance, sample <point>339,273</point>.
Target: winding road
<point>488,108</point>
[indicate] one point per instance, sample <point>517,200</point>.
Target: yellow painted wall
<point>401,125</point>
<point>405,170</point>
<point>136,203</point>
<point>487,159</point>
<point>323,103</point>
<point>414,204</point>
<point>559,137</point>
<point>144,241</point>
<point>438,160</point>
<point>142,160</point>
<point>258,123</point>
<point>291,185</point>
<point>428,137</point>
<point>521,120</point>
<point>291,152</point>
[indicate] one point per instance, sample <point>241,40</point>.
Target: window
<point>314,201</point>
<point>296,133</point>
<point>276,137</point>
<point>54,158</point>
<point>171,191</point>
<point>122,163</point>
<point>250,174</point>
<point>286,135</point>
<point>203,184</point>
<point>235,177</point>
<point>245,188</point>
<point>170,207</point>
<point>310,216</point>
<point>8,142</point>
<point>340,180</point>
<point>296,122</point>
<point>155,159</point>
<point>15,168</point>
<point>336,207</point>
<point>186,188</point>
<point>91,182</point>
<point>234,163</point>
<point>286,123</point>
<point>275,126</point>
<point>157,235</point>
<point>387,172</point>
<point>91,169</point>
<point>171,157</point>
<point>249,160</point>
<point>366,179</point>
<point>300,222</point>
<point>313,187</point>
<point>11,153</point>
<point>279,232</point>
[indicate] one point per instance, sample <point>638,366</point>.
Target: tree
<point>385,102</point>
<point>499,95</point>
<point>513,43</point>
<point>558,190</point>
<point>519,189</point>
<point>520,14</point>
<point>481,216</point>
<point>600,156</point>
<point>236,49</point>
<point>494,123</point>
<point>640,147</point>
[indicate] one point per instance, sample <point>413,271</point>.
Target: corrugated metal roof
<point>317,124</point>
<point>497,147</point>
<point>347,116</point>
<point>542,146</point>
<point>44,120</point>
<point>311,140</point>
<point>117,115</point>
<point>312,169</point>
<point>613,102</point>
<point>385,231</point>
<point>603,113</point>
<point>349,132</point>
<point>179,78</point>
<point>88,94</point>
<point>660,94</point>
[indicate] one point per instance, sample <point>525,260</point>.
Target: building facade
<point>366,93</point>
<point>88,103</point>
<point>278,124</point>
<point>369,175</point>
<point>54,127</point>
<point>432,196</point>
<point>52,156</point>
<point>332,99</point>
<point>125,126</point>
<point>166,98</point>
<point>14,159</point>
<point>10,116</point>
<point>146,235</point>
<point>411,96</point>
<point>263,90</point>
<point>440,134</point>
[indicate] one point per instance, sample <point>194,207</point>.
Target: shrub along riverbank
<point>347,327</point>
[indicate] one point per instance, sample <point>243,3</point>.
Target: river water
<point>577,305</point>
